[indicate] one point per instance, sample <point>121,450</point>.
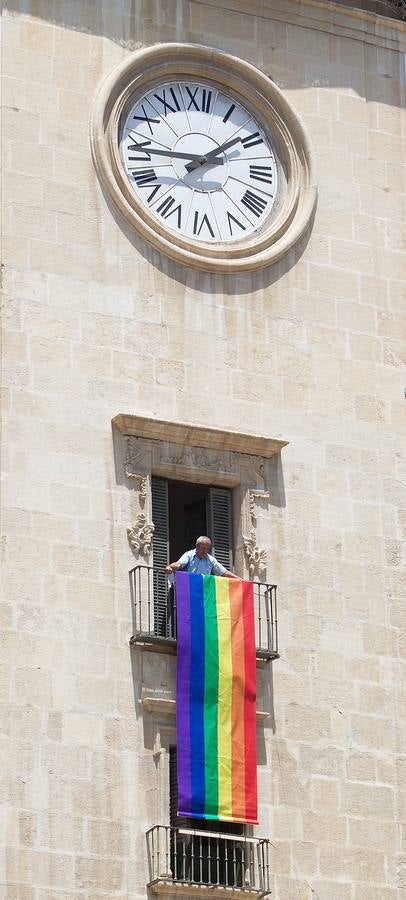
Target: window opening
<point>188,506</point>
<point>199,859</point>
<point>181,512</point>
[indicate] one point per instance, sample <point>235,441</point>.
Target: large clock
<point>199,161</point>
<point>203,157</point>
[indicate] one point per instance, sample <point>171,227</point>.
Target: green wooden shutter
<point>160,518</point>
<point>221,525</point>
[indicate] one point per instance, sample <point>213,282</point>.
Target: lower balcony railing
<point>185,856</point>
<point>153,599</point>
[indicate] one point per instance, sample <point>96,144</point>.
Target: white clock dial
<point>199,162</point>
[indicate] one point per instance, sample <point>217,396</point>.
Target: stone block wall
<point>312,351</point>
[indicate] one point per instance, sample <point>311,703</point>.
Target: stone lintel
<point>198,436</point>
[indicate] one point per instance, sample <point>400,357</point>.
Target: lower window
<point>215,859</point>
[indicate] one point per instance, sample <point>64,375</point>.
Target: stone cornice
<point>325,15</point>
<point>198,436</point>
<point>162,706</point>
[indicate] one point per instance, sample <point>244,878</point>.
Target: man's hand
<point>169,570</point>
<point>228,574</point>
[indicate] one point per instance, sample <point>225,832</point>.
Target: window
<point>181,512</point>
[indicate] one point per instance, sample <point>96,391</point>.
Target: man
<point>199,561</point>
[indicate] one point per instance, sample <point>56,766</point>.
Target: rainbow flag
<point>216,699</point>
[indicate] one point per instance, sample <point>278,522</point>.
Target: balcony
<point>395,9</point>
<point>154,612</point>
<point>187,861</point>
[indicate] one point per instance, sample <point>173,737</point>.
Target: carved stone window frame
<point>186,452</point>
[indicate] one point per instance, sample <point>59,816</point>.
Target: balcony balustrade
<point>235,864</point>
<point>392,8</point>
<point>153,599</point>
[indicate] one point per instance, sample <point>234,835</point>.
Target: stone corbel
<point>254,470</point>
<point>256,557</point>
<point>135,453</point>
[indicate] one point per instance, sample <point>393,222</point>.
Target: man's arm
<point>172,567</point>
<point>219,569</point>
<point>180,564</point>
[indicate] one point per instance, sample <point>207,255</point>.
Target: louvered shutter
<point>173,787</point>
<point>174,820</point>
<point>221,525</point>
<point>160,518</point>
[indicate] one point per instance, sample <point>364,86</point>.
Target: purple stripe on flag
<point>183,692</point>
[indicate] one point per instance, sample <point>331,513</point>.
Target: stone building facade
<point>285,385</point>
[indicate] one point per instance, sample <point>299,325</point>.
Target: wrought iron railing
<point>380,7</point>
<point>153,598</point>
<point>188,856</point>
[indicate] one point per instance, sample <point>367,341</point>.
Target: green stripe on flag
<point>211,696</point>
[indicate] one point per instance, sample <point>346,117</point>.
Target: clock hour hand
<point>223,147</point>
<point>199,159</point>
<point>212,156</point>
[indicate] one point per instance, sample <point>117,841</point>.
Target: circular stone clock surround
<point>292,212</point>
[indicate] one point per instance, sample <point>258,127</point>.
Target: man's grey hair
<point>203,539</point>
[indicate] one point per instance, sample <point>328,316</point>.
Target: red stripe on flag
<point>250,729</point>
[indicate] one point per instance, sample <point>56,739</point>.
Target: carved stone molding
<point>142,428</point>
<point>172,460</point>
<point>198,455</point>
<point>140,536</point>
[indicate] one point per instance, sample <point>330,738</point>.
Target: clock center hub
<point>210,174</point>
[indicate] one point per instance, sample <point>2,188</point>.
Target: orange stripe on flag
<point>251,808</point>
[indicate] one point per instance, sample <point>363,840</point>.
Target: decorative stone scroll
<point>140,536</point>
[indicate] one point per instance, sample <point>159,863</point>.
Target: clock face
<point>199,162</point>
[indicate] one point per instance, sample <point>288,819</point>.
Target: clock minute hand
<point>173,153</point>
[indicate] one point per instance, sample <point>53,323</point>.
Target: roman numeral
<point>229,111</point>
<point>232,218</point>
<point>165,209</point>
<point>252,140</point>
<point>205,221</point>
<point>192,97</point>
<point>153,192</point>
<point>146,157</point>
<point>205,99</point>
<point>166,105</point>
<point>144,176</point>
<point>146,118</point>
<point>255,203</point>
<point>261,173</point>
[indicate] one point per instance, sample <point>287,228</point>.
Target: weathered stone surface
<point>96,324</point>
